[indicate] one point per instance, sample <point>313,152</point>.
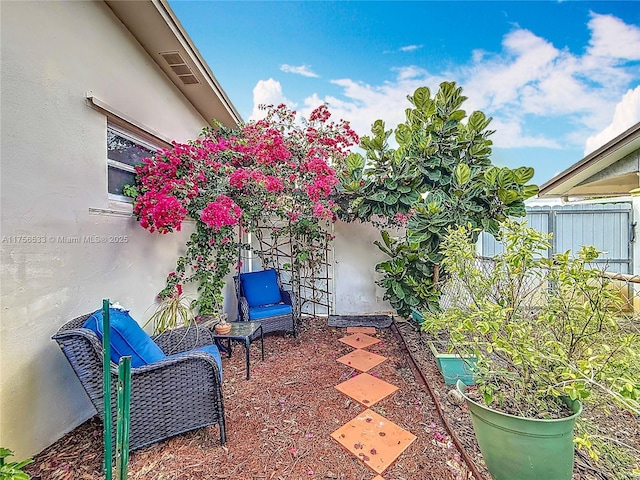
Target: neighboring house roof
<point>157,29</point>
<point>610,171</point>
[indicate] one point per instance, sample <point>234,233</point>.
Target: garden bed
<point>617,426</point>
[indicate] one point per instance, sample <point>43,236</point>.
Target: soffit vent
<point>180,67</point>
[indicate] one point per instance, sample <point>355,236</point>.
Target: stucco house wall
<point>65,244</point>
<point>355,257</point>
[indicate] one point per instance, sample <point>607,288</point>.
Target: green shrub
<point>12,470</point>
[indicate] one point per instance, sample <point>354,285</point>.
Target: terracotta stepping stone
<point>359,340</point>
<point>369,330</point>
<point>374,440</point>
<point>378,477</point>
<point>362,360</point>
<point>366,389</point>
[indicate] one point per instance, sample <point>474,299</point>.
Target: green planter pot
<point>454,367</point>
<point>518,448</point>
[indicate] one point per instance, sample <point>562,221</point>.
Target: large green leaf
<point>390,183</point>
<point>491,226</point>
<point>419,238</point>
<point>491,175</point>
<point>462,173</point>
<point>505,177</point>
<point>458,115</point>
<point>364,211</point>
<point>421,98</point>
<point>410,198</point>
<point>507,196</point>
<point>478,121</point>
<point>403,135</point>
<point>397,290</point>
<point>434,174</point>
<point>378,128</point>
<point>392,198</point>
<point>522,175</point>
<point>353,186</point>
<point>530,191</point>
<point>386,238</point>
<point>378,196</point>
<point>354,161</point>
<point>411,300</point>
<point>480,149</point>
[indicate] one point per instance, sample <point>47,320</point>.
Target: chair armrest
<point>183,339</point>
<point>243,309</point>
<point>290,298</point>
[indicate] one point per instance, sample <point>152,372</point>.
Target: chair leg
<point>223,433</point>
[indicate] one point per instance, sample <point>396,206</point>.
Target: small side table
<point>242,332</point>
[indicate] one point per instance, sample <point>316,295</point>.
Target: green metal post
<point>122,432</point>
<point>106,387</point>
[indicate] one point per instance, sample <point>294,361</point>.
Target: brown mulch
<point>279,422</point>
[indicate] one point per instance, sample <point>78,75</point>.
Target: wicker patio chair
<point>171,396</point>
<point>261,298</point>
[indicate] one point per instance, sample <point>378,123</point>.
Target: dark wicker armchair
<point>168,397</point>
<point>262,298</point>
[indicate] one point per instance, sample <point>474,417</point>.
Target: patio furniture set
<point>176,364</point>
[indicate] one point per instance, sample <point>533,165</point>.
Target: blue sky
<point>559,78</point>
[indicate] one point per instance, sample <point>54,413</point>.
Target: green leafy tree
<point>440,175</point>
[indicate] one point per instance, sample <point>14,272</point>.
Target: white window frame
<point>130,129</point>
<point>118,130</point>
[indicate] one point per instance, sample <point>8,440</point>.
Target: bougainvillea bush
<point>230,180</point>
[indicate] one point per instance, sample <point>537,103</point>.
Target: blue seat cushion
<point>211,350</point>
<point>215,353</point>
<point>127,338</point>
<point>261,288</point>
<point>269,311</point>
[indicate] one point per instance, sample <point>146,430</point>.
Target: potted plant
<point>223,326</point>
<point>544,331</point>
<point>173,311</point>
<point>453,365</point>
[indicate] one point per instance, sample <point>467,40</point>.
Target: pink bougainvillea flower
<point>223,211</point>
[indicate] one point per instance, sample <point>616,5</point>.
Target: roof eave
<point>596,161</point>
<point>158,30</point>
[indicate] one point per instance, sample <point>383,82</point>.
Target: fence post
<point>122,431</point>
<point>106,388</point>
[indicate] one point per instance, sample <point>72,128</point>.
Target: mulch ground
<point>279,422</point>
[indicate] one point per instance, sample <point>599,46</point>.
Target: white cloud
<point>303,70</point>
<point>410,48</point>
<point>363,104</point>
<point>268,92</point>
<point>539,94</point>
<point>611,38</point>
<point>626,115</point>
<point>509,134</point>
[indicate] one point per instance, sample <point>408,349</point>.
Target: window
<point>124,152</point>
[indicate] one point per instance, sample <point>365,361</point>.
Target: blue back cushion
<point>127,338</point>
<point>260,288</point>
